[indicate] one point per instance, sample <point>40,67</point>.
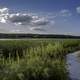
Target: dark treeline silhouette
<point>16,36</point>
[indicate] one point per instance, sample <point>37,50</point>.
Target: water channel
<point>73,65</point>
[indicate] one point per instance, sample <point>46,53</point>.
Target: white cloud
<point>37,29</point>
<point>22,22</point>
<point>4,12</point>
<point>22,18</point>
<point>40,22</point>
<point>3,20</point>
<point>27,19</point>
<point>78,9</point>
<point>65,13</point>
<point>17,31</point>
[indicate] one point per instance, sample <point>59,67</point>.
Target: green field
<point>35,59</point>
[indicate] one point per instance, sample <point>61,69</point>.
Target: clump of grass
<point>36,68</point>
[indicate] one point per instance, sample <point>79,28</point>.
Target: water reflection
<point>73,61</point>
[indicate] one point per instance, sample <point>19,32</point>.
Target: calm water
<point>73,62</point>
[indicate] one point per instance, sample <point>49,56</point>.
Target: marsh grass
<point>35,60</point>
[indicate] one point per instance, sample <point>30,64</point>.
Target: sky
<point>40,16</point>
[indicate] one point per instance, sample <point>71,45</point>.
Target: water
<point>73,62</point>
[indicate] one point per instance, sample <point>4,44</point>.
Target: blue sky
<point>40,16</point>
<point>41,5</point>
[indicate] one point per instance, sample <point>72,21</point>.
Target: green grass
<point>35,59</point>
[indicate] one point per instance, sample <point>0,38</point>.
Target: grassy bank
<point>35,59</point>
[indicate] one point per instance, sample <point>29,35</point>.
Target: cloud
<point>26,19</point>
<point>22,18</point>
<point>4,12</point>
<point>37,29</point>
<point>22,22</point>
<point>40,22</point>
<point>65,13</point>
<point>78,9</point>
<point>17,31</point>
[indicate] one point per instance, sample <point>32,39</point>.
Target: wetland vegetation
<point>35,59</point>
